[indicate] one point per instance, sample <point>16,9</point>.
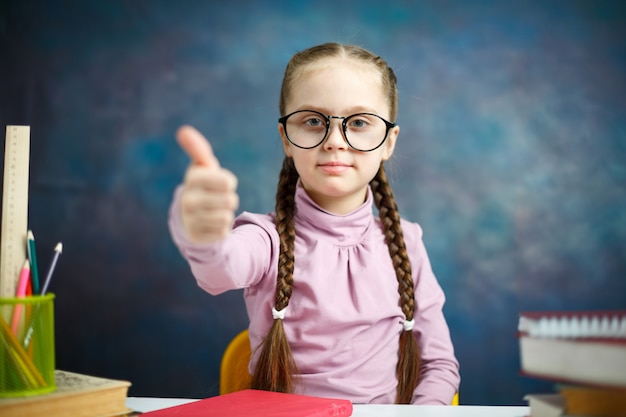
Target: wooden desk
<point>362,410</point>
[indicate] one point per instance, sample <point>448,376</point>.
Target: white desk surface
<point>361,410</point>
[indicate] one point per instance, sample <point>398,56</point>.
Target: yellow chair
<point>234,375</point>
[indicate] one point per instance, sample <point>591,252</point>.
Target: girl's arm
<point>240,260</point>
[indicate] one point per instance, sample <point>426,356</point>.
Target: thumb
<point>197,147</point>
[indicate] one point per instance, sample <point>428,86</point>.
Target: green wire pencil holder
<point>27,355</point>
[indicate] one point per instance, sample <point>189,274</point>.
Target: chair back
<point>234,375</point>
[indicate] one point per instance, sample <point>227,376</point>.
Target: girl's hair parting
<point>276,369</point>
<point>302,60</point>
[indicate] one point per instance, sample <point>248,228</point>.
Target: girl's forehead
<point>358,67</point>
<point>341,79</point>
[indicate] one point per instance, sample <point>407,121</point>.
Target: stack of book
<point>77,395</point>
<point>584,353</point>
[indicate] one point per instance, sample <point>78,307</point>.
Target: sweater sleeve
<point>439,368</point>
<point>239,261</point>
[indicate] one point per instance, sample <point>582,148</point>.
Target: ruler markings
<point>14,207</point>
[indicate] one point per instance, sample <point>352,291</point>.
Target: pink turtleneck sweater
<point>343,321</point>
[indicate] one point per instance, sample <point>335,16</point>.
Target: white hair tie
<point>278,315</point>
<point>408,325</point>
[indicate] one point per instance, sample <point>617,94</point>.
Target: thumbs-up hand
<point>209,198</point>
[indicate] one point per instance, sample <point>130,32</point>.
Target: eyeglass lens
<point>363,131</point>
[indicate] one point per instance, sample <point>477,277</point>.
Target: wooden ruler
<point>14,207</point>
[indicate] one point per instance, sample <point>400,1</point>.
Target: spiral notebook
<point>587,347</point>
<point>574,325</point>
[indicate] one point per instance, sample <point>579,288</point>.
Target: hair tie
<point>408,325</point>
<point>278,315</point>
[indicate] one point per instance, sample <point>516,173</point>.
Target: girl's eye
<point>358,122</point>
<point>314,122</point>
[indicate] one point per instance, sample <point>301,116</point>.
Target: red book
<point>250,403</point>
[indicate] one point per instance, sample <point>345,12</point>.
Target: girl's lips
<point>334,168</point>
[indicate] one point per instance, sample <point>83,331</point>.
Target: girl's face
<point>333,174</point>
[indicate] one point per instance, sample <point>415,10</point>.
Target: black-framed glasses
<point>308,129</point>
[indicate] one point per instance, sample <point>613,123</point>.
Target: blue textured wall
<point>512,156</point>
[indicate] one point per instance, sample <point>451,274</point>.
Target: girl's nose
<point>335,139</point>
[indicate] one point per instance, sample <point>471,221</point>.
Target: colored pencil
<point>21,293</point>
<point>32,257</point>
<point>58,249</point>
<point>20,357</point>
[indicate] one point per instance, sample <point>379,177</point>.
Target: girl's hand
<point>209,198</point>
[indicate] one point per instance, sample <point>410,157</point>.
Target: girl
<point>341,303</point>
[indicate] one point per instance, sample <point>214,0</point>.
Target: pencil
<point>21,293</point>
<point>32,257</point>
<point>57,252</point>
<point>26,365</point>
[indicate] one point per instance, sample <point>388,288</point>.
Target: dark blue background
<point>512,156</point>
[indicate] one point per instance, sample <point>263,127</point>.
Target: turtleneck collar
<point>345,229</point>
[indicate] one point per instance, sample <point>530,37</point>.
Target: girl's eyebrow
<point>351,111</point>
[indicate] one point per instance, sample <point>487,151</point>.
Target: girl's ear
<point>390,143</point>
<point>284,140</point>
